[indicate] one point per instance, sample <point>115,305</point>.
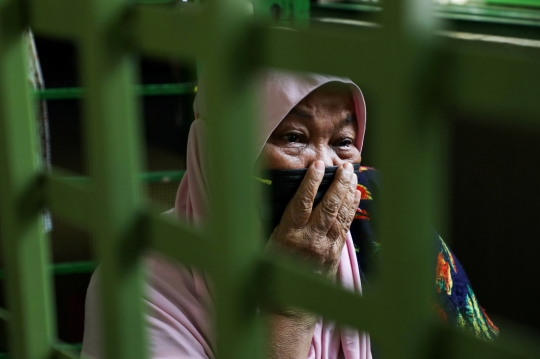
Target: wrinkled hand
<point>319,234</point>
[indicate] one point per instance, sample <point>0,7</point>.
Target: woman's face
<point>321,127</point>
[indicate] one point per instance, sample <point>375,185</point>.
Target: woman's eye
<point>292,137</point>
<point>345,143</point>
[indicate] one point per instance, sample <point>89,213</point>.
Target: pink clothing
<point>179,302</point>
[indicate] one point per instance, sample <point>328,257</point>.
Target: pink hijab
<point>179,302</point>
<point>280,92</point>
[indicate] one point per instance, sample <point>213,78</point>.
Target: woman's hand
<point>319,234</point>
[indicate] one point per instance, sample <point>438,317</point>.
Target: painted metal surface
<point>403,75</point>
<point>66,93</point>
<point>28,287</point>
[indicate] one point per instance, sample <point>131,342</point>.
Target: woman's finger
<point>325,213</point>
<point>343,221</point>
<point>299,209</point>
<point>357,195</point>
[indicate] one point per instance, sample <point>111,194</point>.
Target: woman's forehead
<point>331,96</point>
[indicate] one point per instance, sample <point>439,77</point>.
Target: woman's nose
<point>328,156</point>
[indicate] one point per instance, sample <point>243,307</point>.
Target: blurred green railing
<point>409,135</point>
<point>141,90</point>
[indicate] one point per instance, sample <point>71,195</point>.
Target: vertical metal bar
<point>405,135</point>
<point>31,323</point>
<point>112,139</point>
<point>231,121</point>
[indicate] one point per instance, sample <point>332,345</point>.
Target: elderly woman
<point>312,126</point>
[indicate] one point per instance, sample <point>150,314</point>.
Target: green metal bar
<point>406,132</point>
<point>74,347</point>
<point>477,19</point>
<point>67,268</point>
<point>57,354</point>
<point>64,353</point>
<point>285,283</point>
<point>186,245</point>
<point>74,267</point>
<point>155,2</point>
<point>476,13</point>
<point>490,86</point>
<point>144,90</point>
<point>158,29</point>
<point>312,46</point>
<point>470,74</point>
<point>112,135</point>
<point>56,18</point>
<point>466,346</point>
<point>28,288</point>
<point>498,14</point>
<point>69,196</point>
<point>233,229</point>
<point>69,199</point>
<point>162,176</point>
<point>516,2</point>
<point>148,177</point>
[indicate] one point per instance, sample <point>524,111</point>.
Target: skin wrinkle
<point>320,131</point>
<point>319,135</point>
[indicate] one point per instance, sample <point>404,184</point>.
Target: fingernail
<point>348,167</point>
<point>357,196</point>
<point>319,166</point>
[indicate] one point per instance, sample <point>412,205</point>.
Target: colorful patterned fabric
<point>455,303</point>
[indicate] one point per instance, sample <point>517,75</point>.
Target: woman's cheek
<point>350,156</point>
<point>276,157</point>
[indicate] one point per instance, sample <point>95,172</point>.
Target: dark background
<point>494,190</point>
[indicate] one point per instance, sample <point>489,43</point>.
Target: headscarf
<point>179,303</point>
<point>280,92</point>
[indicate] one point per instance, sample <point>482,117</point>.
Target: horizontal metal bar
<point>162,176</point>
<point>464,345</point>
<point>485,13</point>
<point>68,199</point>
<point>148,177</point>
<point>57,18</point>
<point>516,2</point>
<point>74,267</point>
<point>68,268</point>
<point>70,346</point>
<point>480,82</point>
<point>315,44</point>
<point>168,32</point>
<point>142,90</point>
<point>177,240</point>
<point>496,87</point>
<point>61,352</point>
<point>486,20</point>
<point>286,284</point>
<point>59,347</point>
<point>154,2</point>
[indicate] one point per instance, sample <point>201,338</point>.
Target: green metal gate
<point>402,62</point>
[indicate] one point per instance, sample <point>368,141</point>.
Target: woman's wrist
<point>290,334</point>
<point>298,316</point>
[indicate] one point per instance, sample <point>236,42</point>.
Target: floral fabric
<point>456,303</point>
